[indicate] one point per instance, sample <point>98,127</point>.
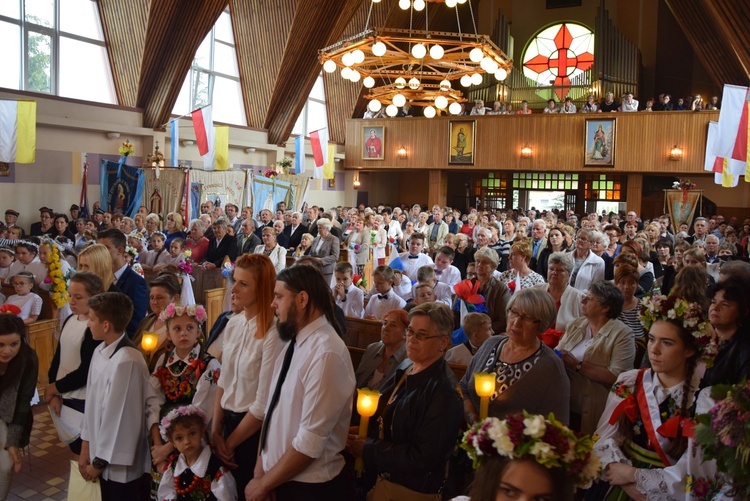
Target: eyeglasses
<point>515,315</point>
<point>420,336</point>
<point>586,298</point>
<point>583,240</point>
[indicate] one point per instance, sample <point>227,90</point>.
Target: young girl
<point>27,260</point>
<point>157,255</point>
<point>196,468</point>
<point>163,290</point>
<point>18,375</point>
<point>29,303</point>
<point>642,432</point>
<point>7,255</point>
<point>175,255</point>
<point>185,375</point>
<point>70,364</point>
<point>131,255</point>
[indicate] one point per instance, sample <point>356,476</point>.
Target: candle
<point>367,404</point>
<point>484,385</point>
<point>149,341</point>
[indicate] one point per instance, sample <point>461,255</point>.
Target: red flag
<point>201,132</point>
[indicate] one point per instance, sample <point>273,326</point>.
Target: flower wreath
<point>685,314</point>
<point>175,310</point>
<point>184,410</point>
<point>132,251</point>
<point>547,441</point>
<point>58,282</point>
<point>158,233</point>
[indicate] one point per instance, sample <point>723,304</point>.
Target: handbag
<point>385,490</point>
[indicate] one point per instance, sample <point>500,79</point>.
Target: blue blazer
<point>134,286</point>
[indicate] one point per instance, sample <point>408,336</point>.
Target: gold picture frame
<point>599,142</point>
<point>461,142</point>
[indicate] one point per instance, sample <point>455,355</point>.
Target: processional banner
<point>681,205</point>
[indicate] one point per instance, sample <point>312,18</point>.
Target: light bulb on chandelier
<point>374,105</point>
<point>451,3</point>
<point>419,51</point>
<point>404,4</point>
<point>445,85</point>
<point>378,49</point>
<point>476,79</point>
<point>441,102</point>
<point>347,59</point>
<point>454,108</point>
<point>465,80</point>
<point>476,54</point>
<point>488,64</point>
<point>346,72</point>
<point>399,100</point>
<point>329,66</point>
<point>429,112</point>
<point>419,5</point>
<point>355,76</point>
<point>358,56</point>
<point>437,52</point>
<point>368,82</point>
<point>400,83</point>
<point>501,74</point>
<point>391,110</point>
<point>413,83</point>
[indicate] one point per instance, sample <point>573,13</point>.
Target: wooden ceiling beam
<point>733,19</point>
<point>316,24</point>
<point>124,27</point>
<point>174,32</point>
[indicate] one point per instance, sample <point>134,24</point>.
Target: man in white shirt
<point>305,431</point>
<point>395,234</point>
<point>445,272</point>
<point>231,212</point>
<point>628,103</point>
<point>414,259</point>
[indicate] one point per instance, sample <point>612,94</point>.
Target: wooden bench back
<point>361,333</point>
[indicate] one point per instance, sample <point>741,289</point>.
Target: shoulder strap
<point>648,424</point>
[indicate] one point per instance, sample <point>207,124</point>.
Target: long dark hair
<point>487,480</point>
<point>306,278</point>
<point>12,324</point>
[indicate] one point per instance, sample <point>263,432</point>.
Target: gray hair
<point>609,295</point>
<point>537,303</point>
<point>199,222</point>
<point>599,236</point>
<point>325,223</point>
<point>487,253</point>
<point>221,221</point>
<point>563,258</point>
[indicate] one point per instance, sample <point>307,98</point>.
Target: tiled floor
<point>46,467</point>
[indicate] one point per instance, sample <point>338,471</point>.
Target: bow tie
<point>413,257</point>
<point>438,272</point>
<point>382,296</point>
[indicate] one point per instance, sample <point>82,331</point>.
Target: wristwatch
<point>579,365</point>
<point>99,463</point>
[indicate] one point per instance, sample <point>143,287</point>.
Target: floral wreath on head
<point>131,250</point>
<point>184,410</point>
<point>686,314</point>
<point>197,311</point>
<point>530,436</point>
<point>158,233</point>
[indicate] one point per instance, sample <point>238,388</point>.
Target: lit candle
<point>484,385</point>
<point>367,404</point>
<point>149,341</point>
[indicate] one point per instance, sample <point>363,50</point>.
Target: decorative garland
<point>59,282</point>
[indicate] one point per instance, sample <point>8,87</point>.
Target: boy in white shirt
<point>349,298</point>
<point>443,293</point>
<point>414,258</point>
<point>382,299</point>
<point>115,448</point>
<point>444,270</point>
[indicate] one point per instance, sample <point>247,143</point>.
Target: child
<point>114,448</point>
<point>184,427</point>
<point>157,255</point>
<point>27,260</point>
<point>14,233</point>
<point>443,293</point>
<point>349,298</point>
<point>423,293</point>
<point>401,285</point>
<point>444,270</point>
<point>185,375</point>
<point>478,328</point>
<point>29,303</point>
<point>131,253</point>
<point>7,255</point>
<point>382,298</point>
<point>175,255</point>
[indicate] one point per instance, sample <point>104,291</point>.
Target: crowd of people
<point>627,103</point>
<point>603,335</point>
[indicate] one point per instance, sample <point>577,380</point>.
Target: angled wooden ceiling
<point>152,43</point>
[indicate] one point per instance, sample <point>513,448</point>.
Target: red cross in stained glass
<point>562,62</point>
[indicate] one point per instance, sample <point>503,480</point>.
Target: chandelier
<point>423,67</point>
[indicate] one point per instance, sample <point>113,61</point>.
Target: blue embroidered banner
<point>121,187</point>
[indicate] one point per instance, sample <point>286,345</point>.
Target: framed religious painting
<point>373,141</point>
<point>461,142</point>
<point>599,143</point>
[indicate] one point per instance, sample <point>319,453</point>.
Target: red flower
<point>701,487</point>
<point>10,308</point>
<point>551,337</point>
<point>512,286</point>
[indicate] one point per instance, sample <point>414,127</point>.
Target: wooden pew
<point>214,303</point>
<point>361,333</point>
<point>42,340</point>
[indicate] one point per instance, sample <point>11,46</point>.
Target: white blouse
<point>71,339</point>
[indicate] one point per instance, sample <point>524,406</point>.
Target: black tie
<point>382,296</point>
<point>277,392</point>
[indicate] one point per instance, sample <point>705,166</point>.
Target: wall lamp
<point>675,153</point>
<point>356,183</point>
<point>187,142</point>
<point>401,152</point>
<point>526,151</point>
<point>113,135</point>
<point>249,150</point>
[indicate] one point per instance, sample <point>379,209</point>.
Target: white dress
<point>30,304</point>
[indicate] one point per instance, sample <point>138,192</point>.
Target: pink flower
<point>200,314</point>
<point>169,311</point>
<point>701,487</point>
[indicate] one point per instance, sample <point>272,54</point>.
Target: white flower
<point>570,456</point>
<point>498,432</point>
<point>672,314</point>
<point>534,426</point>
<point>542,450</point>
<point>591,470</point>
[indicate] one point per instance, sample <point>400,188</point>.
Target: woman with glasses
<point>596,348</point>
<point>588,267</point>
<point>529,376</point>
<point>567,299</point>
<point>415,428</point>
<point>496,294</point>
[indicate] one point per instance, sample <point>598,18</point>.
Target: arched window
<point>559,57</point>
<point>214,77</point>
<point>56,47</point>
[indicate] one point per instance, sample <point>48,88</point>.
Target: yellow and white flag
<point>18,131</point>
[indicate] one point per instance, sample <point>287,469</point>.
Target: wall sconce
<point>249,150</point>
<point>113,135</point>
<point>401,152</point>
<point>356,183</point>
<point>675,153</point>
<point>526,151</point>
<point>187,142</point>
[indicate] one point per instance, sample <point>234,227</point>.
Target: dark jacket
<point>134,286</point>
<point>250,244</point>
<point>732,362</point>
<point>420,429</point>
<point>296,237</point>
<point>216,255</point>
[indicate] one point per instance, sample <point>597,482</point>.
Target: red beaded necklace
<point>190,488</point>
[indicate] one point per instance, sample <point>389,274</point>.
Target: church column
<point>437,188</point>
<point>635,192</point>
